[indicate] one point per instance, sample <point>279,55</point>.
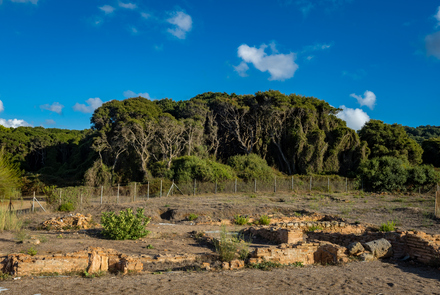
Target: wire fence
<point>157,188</point>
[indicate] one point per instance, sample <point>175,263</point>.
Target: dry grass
<point>9,220</point>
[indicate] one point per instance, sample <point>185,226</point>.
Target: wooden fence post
<point>235,187</point>
<point>160,193</point>
<point>215,187</point>
<point>117,196</point>
<point>255,185</point>
<point>310,183</point>
<point>194,188</point>
<point>134,196</point>
<point>33,203</point>
<point>102,190</point>
<point>275,185</point>
<point>148,190</point>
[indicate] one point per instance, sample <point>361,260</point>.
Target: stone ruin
<point>307,242</point>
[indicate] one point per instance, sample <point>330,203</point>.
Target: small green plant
<point>297,214</point>
<point>266,265</point>
<point>31,251</point>
<point>66,207</point>
<point>192,217</point>
<point>241,220</point>
<point>60,236</point>
<point>313,228</point>
<point>387,227</point>
<point>4,276</point>
<point>97,274</point>
<point>166,205</point>
<point>126,225</point>
<point>43,239</point>
<point>21,235</point>
<point>253,196</point>
<point>227,247</point>
<point>149,246</point>
<point>264,220</point>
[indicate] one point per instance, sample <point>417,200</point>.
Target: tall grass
<point>9,220</point>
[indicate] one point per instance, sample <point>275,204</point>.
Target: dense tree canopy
<point>256,135</point>
<point>422,133</point>
<point>390,140</point>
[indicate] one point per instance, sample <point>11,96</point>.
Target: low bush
<point>9,220</point>
<point>241,220</point>
<point>250,167</point>
<point>126,225</point>
<point>66,207</point>
<point>387,227</point>
<point>264,220</point>
<point>228,247</point>
<point>192,217</point>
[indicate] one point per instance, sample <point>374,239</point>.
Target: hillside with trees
<point>215,136</point>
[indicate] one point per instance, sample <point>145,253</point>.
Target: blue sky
<point>375,59</point>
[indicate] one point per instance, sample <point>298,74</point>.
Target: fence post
<point>117,196</point>
<point>33,203</point>
<point>275,185</point>
<point>102,189</point>
<point>60,196</point>
<point>81,198</point>
<point>346,185</point>
<point>134,196</point>
<point>160,193</point>
<point>292,183</point>
<point>235,187</point>
<point>255,185</point>
<point>310,184</point>
<point>148,190</point>
<point>328,184</point>
<point>215,187</point>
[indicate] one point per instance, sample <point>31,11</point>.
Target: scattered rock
<point>367,257</point>
<point>77,221</point>
<point>236,264</point>
<point>379,248</point>
<point>355,248</point>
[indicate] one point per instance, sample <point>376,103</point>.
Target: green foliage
<point>269,265</point>
<point>66,207</point>
<point>9,176</point>
<point>188,168</point>
<point>422,133</point>
<point>241,220</point>
<point>227,247</point>
<point>395,174</point>
<point>390,140</point>
<point>9,220</point>
<point>313,228</point>
<point>126,225</point>
<point>264,220</point>
<point>149,246</point>
<point>431,151</point>
<point>387,227</point>
<point>21,235</point>
<point>192,217</point>
<point>31,251</point>
<point>250,167</point>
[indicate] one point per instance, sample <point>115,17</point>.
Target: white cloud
<point>182,23</point>
<point>55,107</point>
<point>355,118</point>
<point>432,44</point>
<point>129,93</point>
<point>133,30</point>
<point>14,123</point>
<point>369,99</point>
<point>127,5</point>
<point>280,66</point>
<point>145,15</point>
<point>92,104</point>
<point>2,107</point>
<point>49,122</point>
<point>241,69</point>
<point>25,1</point>
<point>107,9</point>
<point>437,16</point>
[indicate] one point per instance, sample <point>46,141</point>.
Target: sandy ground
<point>353,278</point>
<point>171,234</point>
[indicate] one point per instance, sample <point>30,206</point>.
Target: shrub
<point>9,220</point>
<point>192,217</point>
<point>187,168</point>
<point>227,248</point>
<point>387,227</point>
<point>126,225</point>
<point>66,207</point>
<point>264,220</point>
<point>31,251</point>
<point>241,220</point>
<point>251,167</point>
